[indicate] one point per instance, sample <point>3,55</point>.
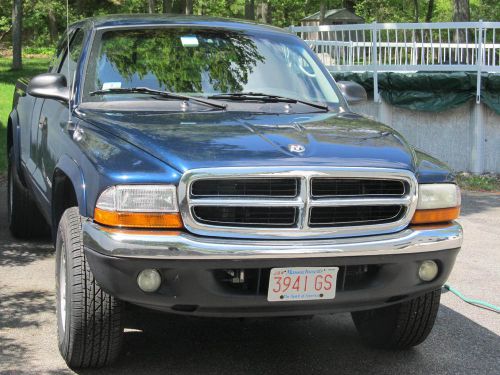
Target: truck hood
<point>197,140</point>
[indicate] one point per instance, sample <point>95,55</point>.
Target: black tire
<point>399,326</point>
<point>89,321</point>
<point>25,219</point>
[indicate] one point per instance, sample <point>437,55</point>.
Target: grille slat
<point>343,187</point>
<point>246,216</point>
<point>266,187</point>
<point>354,215</point>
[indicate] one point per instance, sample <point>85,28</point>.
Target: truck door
<point>53,117</point>
<point>32,162</point>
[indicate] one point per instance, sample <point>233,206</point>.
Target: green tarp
<point>429,91</point>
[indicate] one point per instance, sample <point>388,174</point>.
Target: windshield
<point>205,62</point>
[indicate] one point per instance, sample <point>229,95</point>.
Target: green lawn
<point>8,79</point>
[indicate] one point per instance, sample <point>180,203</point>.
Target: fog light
<point>428,270</point>
<point>149,280</point>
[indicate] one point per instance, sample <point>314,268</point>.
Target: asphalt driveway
<point>465,340</point>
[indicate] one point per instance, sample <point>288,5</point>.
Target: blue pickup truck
<point>210,167</point>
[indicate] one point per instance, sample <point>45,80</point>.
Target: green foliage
<point>34,50</point>
<point>479,182</point>
<point>5,23</point>
<point>283,13</point>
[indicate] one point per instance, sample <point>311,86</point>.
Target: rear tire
<point>89,321</point>
<point>25,219</point>
<point>399,326</point>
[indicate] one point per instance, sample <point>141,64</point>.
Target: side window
<point>56,58</point>
<point>75,49</point>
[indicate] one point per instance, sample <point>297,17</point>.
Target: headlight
<point>138,206</point>
<point>437,203</point>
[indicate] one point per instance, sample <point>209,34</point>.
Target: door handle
<point>42,124</point>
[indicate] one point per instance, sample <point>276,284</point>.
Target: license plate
<point>302,283</point>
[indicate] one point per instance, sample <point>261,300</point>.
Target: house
<point>332,17</point>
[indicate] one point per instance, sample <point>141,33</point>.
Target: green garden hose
<point>475,302</point>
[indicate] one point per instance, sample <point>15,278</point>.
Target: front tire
<point>399,326</point>
<point>89,321</point>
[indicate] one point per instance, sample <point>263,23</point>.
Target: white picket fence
<point>405,47</point>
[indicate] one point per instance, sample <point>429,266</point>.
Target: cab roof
<point>124,20</point>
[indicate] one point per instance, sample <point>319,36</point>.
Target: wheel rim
<point>62,287</point>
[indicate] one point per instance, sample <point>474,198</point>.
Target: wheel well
<point>63,197</point>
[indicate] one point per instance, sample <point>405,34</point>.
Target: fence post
<point>478,118</point>
<point>479,61</point>
<point>376,97</point>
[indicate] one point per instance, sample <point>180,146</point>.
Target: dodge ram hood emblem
<point>296,148</point>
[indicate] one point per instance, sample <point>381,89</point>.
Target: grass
<point>487,182</point>
<point>8,80</point>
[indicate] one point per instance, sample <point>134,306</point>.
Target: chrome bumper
<point>158,245</point>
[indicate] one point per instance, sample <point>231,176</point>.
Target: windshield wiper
<point>164,94</point>
<point>266,98</point>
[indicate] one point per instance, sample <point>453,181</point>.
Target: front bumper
<point>375,270</point>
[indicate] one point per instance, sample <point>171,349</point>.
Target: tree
<point>52,23</point>
<point>167,6</point>
<point>430,9</point>
<point>461,11</point>
<point>322,12</point>
<point>250,9</point>
<point>189,7</point>
<point>17,34</point>
<point>349,5</point>
<point>151,6</point>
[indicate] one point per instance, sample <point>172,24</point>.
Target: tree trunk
<point>430,9</point>
<point>461,11</point>
<point>189,7</point>
<point>416,10</point>
<point>250,9</point>
<point>269,12</point>
<point>51,17</point>
<point>151,6</point>
<point>322,12</point>
<point>167,6</point>
<point>349,5</point>
<point>17,34</point>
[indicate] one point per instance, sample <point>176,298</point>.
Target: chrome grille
<point>296,202</point>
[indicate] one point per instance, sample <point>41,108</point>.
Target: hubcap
<point>62,287</point>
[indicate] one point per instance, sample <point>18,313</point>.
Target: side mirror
<point>353,92</point>
<point>49,86</point>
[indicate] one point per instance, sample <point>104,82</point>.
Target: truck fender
<point>14,141</point>
<point>72,170</point>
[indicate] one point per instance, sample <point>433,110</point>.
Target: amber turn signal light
<point>145,220</point>
<point>438,215</point>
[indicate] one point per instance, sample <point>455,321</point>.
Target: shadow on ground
<point>18,311</point>
<point>326,344</point>
<point>473,202</point>
<point>22,253</point>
